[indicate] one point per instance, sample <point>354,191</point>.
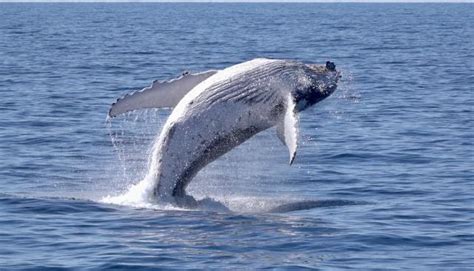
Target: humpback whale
<point>217,110</point>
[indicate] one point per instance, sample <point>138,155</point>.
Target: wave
<point>135,198</point>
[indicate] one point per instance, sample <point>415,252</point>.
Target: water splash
<point>238,181</point>
<point>132,136</point>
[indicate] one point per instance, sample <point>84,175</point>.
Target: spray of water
<point>132,137</point>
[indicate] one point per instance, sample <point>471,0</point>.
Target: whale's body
<point>222,109</point>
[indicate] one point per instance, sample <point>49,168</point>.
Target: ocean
<point>383,179</point>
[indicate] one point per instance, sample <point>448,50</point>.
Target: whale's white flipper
<point>159,94</point>
<point>287,128</point>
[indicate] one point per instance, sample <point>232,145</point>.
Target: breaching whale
<point>217,110</point>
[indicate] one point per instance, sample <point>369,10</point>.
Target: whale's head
<point>318,82</point>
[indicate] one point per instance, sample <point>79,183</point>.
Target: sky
<point>243,1</point>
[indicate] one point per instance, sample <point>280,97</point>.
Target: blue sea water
<point>383,179</point>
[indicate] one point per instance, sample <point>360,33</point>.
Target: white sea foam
<point>138,195</point>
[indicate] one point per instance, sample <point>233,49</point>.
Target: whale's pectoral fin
<point>159,94</point>
<point>287,128</point>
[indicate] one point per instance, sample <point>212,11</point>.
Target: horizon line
<point>240,1</point>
